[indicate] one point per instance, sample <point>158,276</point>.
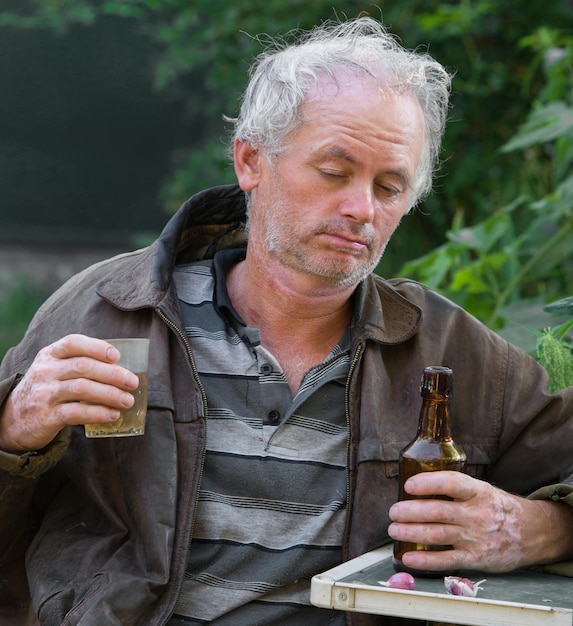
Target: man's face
<point>326,207</point>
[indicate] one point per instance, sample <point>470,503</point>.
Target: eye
<point>332,174</point>
<point>389,190</point>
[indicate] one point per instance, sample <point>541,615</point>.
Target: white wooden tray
<point>521,598</point>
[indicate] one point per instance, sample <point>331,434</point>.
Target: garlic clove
<point>402,580</point>
<point>459,586</point>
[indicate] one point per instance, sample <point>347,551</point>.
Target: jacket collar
<point>211,219</point>
<point>215,219</point>
<point>383,314</point>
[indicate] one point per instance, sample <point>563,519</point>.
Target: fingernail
<point>132,380</point>
<point>112,354</point>
<point>127,400</point>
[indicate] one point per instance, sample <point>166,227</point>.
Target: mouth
<point>347,242</point>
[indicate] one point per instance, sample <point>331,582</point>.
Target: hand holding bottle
<point>446,520</point>
<point>487,528</point>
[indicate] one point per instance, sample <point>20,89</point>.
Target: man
<point>283,380</point>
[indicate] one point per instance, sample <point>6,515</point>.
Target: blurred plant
<point>524,249</point>
<point>17,308</point>
<point>554,348</point>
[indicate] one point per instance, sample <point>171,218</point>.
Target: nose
<point>359,205</point>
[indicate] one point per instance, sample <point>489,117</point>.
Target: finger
<point>58,403</point>
<point>77,413</point>
<point>74,379</point>
<point>434,534</point>
<point>81,345</point>
<point>455,485</point>
<point>86,368</point>
<point>428,511</point>
<point>435,560</point>
<point>92,392</point>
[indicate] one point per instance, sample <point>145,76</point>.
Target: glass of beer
<point>134,357</point>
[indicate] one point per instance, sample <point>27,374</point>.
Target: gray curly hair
<point>281,77</point>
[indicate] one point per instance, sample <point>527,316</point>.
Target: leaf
<point>484,235</point>
<point>469,280</point>
<point>543,125</point>
<point>561,307</point>
<point>432,268</point>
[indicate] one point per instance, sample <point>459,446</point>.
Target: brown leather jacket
<point>97,531</point>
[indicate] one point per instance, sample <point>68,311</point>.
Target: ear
<point>247,164</point>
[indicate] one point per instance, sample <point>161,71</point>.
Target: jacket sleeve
<point>557,493</point>
<point>33,464</point>
<point>18,518</point>
<point>536,439</point>
<point>536,431</point>
<point>30,464</point>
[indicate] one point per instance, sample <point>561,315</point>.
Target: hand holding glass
<point>134,357</point>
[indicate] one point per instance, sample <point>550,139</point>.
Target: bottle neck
<point>434,420</point>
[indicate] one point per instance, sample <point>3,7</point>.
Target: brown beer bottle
<point>433,449</point>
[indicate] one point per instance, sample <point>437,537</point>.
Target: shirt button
<point>266,369</point>
<point>274,417</point>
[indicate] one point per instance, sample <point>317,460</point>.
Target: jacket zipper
<point>353,364</point>
<point>195,372</point>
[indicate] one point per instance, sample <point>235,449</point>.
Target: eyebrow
<point>340,153</point>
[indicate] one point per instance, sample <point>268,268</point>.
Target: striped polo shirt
<point>272,501</point>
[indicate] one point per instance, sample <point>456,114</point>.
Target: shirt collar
<point>223,261</point>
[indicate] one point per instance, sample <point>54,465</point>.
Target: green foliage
<point>554,350</point>
<point>56,14</point>
<point>495,81</point>
<point>557,358</point>
<point>523,249</point>
<point>16,310</point>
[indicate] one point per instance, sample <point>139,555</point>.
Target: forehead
<point>376,75</point>
<point>364,114</point>
<point>380,85</point>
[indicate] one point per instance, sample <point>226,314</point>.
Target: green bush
<point>522,251</point>
<point>16,310</point>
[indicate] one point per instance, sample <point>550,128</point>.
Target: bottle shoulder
<point>427,448</point>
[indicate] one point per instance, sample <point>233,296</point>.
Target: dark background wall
<point>85,140</point>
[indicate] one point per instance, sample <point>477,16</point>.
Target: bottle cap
<point>437,379</point>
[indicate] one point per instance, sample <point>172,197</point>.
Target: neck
<point>268,296</point>
<point>299,319</point>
